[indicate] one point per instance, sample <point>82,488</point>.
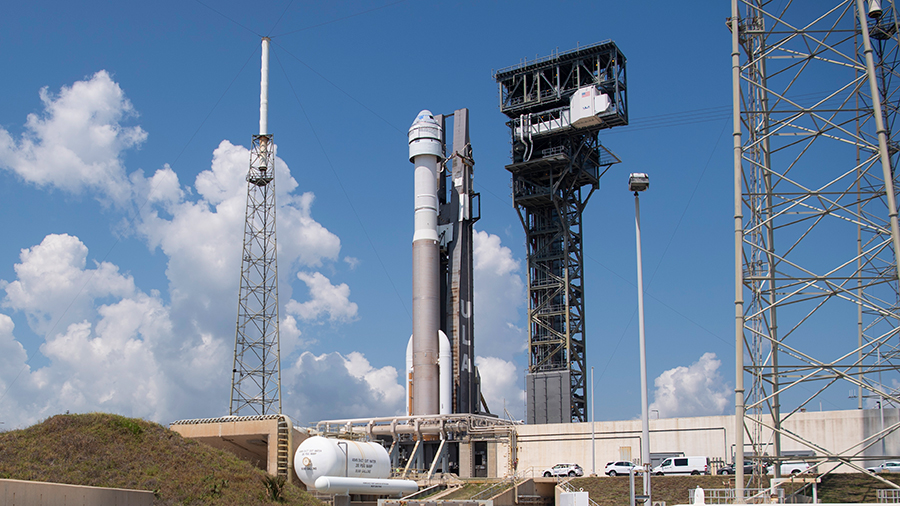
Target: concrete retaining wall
<point>37,493</point>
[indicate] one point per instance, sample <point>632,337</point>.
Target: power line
<point>343,189</point>
<point>340,19</point>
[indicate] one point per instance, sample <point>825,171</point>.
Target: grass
<point>104,450</point>
<point>470,489</point>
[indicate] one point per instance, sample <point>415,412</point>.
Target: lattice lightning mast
<point>557,106</point>
<point>816,91</point>
<point>256,376</point>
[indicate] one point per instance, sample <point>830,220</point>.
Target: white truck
<point>682,465</point>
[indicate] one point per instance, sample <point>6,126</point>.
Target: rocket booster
<point>425,152</point>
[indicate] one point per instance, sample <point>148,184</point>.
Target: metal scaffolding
<point>815,99</point>
<point>556,168</point>
<point>256,376</point>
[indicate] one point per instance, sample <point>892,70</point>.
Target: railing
<point>427,491</point>
<point>569,488</point>
<point>493,489</point>
<point>555,54</point>
<point>727,495</point>
<point>888,495</point>
<point>528,472</point>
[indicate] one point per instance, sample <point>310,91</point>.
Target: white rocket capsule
<point>425,136</point>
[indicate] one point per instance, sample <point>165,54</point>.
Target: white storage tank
<point>319,456</point>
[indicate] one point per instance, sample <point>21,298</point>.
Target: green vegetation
<point>855,487</point>
<point>105,450</point>
<point>470,489</point>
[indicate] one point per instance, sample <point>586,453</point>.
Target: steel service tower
<point>556,106</point>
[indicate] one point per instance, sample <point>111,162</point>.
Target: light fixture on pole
<point>638,182</point>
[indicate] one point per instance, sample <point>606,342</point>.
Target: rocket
<point>429,385</point>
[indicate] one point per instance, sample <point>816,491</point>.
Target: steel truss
<point>815,100</point>
<point>554,173</point>
<point>256,376</point>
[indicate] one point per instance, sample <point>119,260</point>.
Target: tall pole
<point>593,435</point>
<point>738,258</point>
<point>638,183</point>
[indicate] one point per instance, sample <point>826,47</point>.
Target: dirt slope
<point>104,450</point>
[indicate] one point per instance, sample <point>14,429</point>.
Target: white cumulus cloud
<point>499,294</point>
<point>330,386</point>
<point>76,144</point>
<point>499,385</point>
<point>326,299</point>
<point>122,354</point>
<point>105,343</point>
<point>53,286</point>
<point>696,390</point>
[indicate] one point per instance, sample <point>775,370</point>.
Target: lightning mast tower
<point>816,91</point>
<point>556,106</point>
<point>256,376</point>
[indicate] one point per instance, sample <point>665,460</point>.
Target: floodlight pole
<point>639,183</point>
<point>593,435</point>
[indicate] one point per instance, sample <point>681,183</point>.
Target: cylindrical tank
<point>319,456</point>
<point>339,485</point>
<point>445,373</point>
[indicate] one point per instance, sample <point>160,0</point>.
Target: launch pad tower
<point>556,106</point>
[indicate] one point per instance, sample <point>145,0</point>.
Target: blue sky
<point>123,145</point>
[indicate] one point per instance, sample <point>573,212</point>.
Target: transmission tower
<point>256,376</point>
<point>815,101</point>
<point>557,105</point>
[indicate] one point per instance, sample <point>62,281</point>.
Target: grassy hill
<point>105,450</point>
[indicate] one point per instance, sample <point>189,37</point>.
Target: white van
<point>683,465</point>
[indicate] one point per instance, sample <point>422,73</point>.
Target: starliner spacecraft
<point>441,374</point>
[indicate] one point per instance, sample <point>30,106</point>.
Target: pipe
<point>264,89</point>
<point>470,420</point>
<point>425,151</point>
<point>340,484</point>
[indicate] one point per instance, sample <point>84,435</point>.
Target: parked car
<point>564,470</point>
<point>683,465</point>
<point>886,467</point>
<point>789,468</point>
<point>729,469</point>
<point>622,467</point>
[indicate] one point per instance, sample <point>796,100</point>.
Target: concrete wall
<point>253,440</point>
<point>542,446</point>
<point>465,460</point>
<point>36,493</point>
